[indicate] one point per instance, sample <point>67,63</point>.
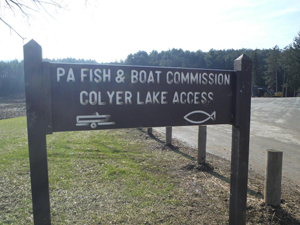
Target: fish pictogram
<point>212,116</point>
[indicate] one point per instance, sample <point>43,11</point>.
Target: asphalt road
<point>275,124</point>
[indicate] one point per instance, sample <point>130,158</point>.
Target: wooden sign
<point>70,97</point>
<point>85,97</point>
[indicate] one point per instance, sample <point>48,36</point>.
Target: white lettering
<point>110,96</point>
<point>106,75</point>
<point>169,73</point>
<point>227,79</point>
<point>83,73</point>
<point>60,72</point>
<point>81,98</point>
<point>194,78</point>
<point>93,98</point>
<point>190,97</point>
<point>143,76</point>
<point>210,97</point>
<point>119,97</point>
<point>158,76</point>
<point>203,96</point>
<point>220,79</point>
<point>71,76</point>
<point>148,98</point>
<point>99,99</point>
<point>211,78</point>
<point>91,75</point>
<point>134,76</point>
<point>128,97</point>
<point>176,98</point>
<point>185,78</point>
<point>163,97</point>
<point>196,98</point>
<point>176,77</point>
<point>150,78</point>
<point>97,73</point>
<point>216,79</point>
<point>204,77</point>
<point>138,99</point>
<point>155,98</point>
<point>181,98</point>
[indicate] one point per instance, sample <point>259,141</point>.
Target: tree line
<point>12,74</point>
<point>277,69</point>
<point>11,77</point>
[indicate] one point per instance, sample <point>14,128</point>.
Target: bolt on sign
<point>73,97</point>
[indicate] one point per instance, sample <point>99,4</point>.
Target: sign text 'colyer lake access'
<point>142,77</point>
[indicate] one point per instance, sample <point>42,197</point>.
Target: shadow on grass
<point>171,147</point>
<point>177,150</point>
<point>155,138</point>
<point>212,172</point>
<point>256,194</point>
<point>151,135</point>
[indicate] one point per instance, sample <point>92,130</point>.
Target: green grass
<point>95,177</point>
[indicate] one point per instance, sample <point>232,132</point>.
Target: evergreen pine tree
<point>294,80</point>
<point>255,71</point>
<point>271,75</point>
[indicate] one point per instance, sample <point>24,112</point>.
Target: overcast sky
<point>110,30</point>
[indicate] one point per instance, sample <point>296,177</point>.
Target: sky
<point>109,31</point>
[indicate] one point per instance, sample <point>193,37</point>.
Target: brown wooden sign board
<point>113,96</point>
<point>73,97</point>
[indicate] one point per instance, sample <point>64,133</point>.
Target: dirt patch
<point>206,167</point>
<point>12,106</point>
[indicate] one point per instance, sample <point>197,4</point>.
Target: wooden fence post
<point>272,190</point>
<point>168,135</point>
<point>149,130</point>
<point>202,134</point>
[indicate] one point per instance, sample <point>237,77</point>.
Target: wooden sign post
<point>35,109</point>
<point>240,141</point>
<point>78,97</point>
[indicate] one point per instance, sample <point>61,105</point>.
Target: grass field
<point>94,177</point>
<point>126,177</point>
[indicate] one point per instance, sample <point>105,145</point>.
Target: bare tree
<point>27,9</point>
